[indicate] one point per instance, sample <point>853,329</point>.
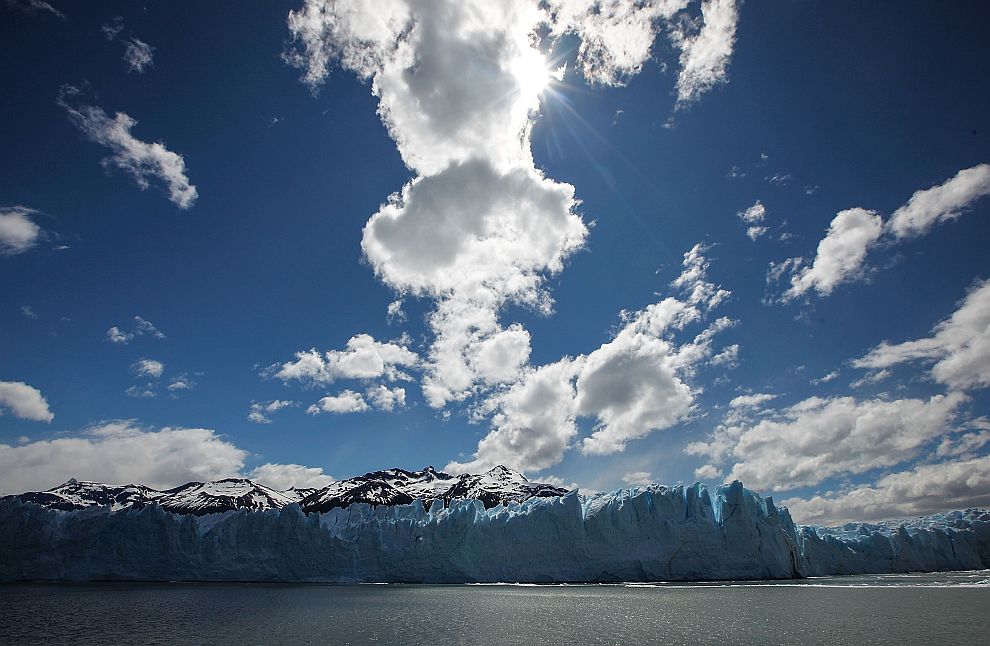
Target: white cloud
<point>533,422</point>
<point>472,226</point>
<point>287,476</point>
<point>394,313</point>
<point>459,85</point>
<point>959,345</point>
<point>347,401</point>
<point>139,159</point>
<point>755,232</point>
<point>638,478</point>
<point>18,232</point>
<point>28,311</point>
<point>728,357</point>
<point>120,453</point>
<point>363,358</point>
<point>870,378</point>
<point>941,203</point>
<point>924,489</point>
<point>708,472</point>
<point>840,254</point>
<point>260,412</point>
<point>705,54</point>
<point>116,335</point>
<point>616,35</point>
<point>24,401</point>
<point>633,385</point>
<point>145,391</point>
<point>138,55</point>
<point>827,377</point>
<point>141,327</point>
<point>182,382</point>
<point>963,444</point>
<point>754,400</point>
<point>816,439</point>
<point>148,368</point>
<point>853,232</point>
<point>387,399</point>
<point>35,6</point>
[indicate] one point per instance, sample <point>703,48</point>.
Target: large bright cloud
<point>924,489</point>
<point>24,401</point>
<point>633,385</point>
<point>959,346</point>
<point>819,438</point>
<point>120,453</point>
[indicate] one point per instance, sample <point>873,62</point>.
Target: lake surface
<point>889,609</point>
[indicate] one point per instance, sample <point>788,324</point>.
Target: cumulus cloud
<point>347,401</point>
<point>754,400</point>
<point>941,203</point>
<point>638,478</point>
<point>959,346</point>
<point>18,232</point>
<point>24,401</point>
<point>840,253</point>
<point>148,368</point>
<point>138,55</point>
<point>142,161</point>
<point>385,398</point>
<point>533,422</point>
<point>632,385</point>
<point>287,476</point>
<point>362,358</point>
<point>182,382</point>
<point>119,453</point>
<point>924,489</point>
<point>260,412</point>
<point>817,438</point>
<point>855,231</point>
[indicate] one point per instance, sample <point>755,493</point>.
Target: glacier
<point>652,533</point>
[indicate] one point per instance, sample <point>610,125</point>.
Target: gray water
<point>891,609</point>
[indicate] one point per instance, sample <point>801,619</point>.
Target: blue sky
<point>836,357</point>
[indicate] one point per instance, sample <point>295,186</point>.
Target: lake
<point>888,609</point>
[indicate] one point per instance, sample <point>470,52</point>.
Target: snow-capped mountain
<point>79,495</point>
<point>389,487</point>
<point>200,498</point>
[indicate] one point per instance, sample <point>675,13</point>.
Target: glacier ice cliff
<point>642,534</point>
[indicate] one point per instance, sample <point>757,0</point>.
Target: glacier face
<point>641,534</point>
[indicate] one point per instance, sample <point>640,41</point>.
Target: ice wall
<point>642,534</point>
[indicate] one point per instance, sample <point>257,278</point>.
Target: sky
<point>602,242</point>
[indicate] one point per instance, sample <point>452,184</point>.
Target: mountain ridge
<point>388,487</point>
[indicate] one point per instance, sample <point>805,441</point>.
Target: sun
<point>531,72</point>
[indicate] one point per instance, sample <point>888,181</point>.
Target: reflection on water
<point>876,609</point>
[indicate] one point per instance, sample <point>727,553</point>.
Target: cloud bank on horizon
<point>477,237</point>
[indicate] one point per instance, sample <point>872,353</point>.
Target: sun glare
<point>530,69</point>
